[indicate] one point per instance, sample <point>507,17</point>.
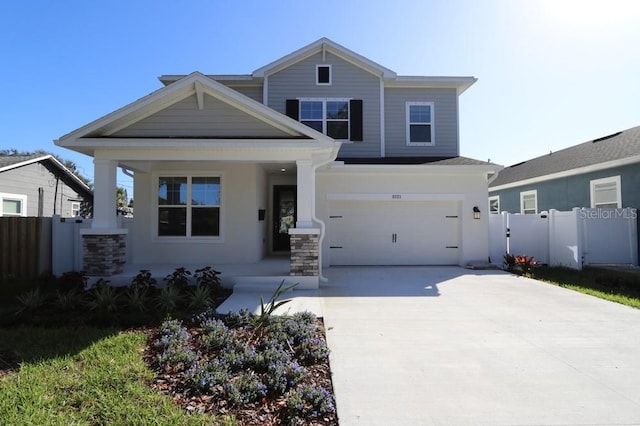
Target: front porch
<point>264,275</point>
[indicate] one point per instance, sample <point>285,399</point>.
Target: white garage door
<point>393,232</point>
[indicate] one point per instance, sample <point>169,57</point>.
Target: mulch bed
<point>268,411</point>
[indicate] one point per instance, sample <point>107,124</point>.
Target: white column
<point>306,192</point>
<point>104,194</point>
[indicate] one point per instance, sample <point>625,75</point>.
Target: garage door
<point>393,232</point>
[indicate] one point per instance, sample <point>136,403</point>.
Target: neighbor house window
<point>420,123</point>
<point>329,116</point>
<point>494,204</point>
<point>13,205</point>
<point>75,209</point>
<point>606,192</point>
<point>189,206</point>
<point>323,74</point>
<point>529,202</point>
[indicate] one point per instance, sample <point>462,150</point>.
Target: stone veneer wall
<point>304,255</point>
<point>104,255</point>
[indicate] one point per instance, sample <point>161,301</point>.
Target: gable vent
<point>604,138</point>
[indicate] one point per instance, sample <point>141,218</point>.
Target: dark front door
<point>284,215</point>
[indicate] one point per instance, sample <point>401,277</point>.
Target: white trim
<point>494,198</point>
<point>566,173</point>
<point>383,141</point>
<point>104,231</point>
<point>155,238</point>
<point>318,66</point>
<point>431,123</point>
<point>398,196</point>
<point>523,194</point>
<point>14,197</point>
<point>317,47</point>
<point>612,179</point>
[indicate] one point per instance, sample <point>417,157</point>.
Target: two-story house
<point>323,154</point>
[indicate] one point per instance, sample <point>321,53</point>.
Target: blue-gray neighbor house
<point>604,172</point>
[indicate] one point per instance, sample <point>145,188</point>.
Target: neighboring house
<point>322,154</point>
<point>39,185</point>
<point>604,172</point>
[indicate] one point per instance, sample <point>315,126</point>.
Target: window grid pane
<point>205,191</point>
<point>311,110</point>
<point>172,191</point>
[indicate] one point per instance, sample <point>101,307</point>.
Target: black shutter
<point>292,108</point>
<point>355,122</point>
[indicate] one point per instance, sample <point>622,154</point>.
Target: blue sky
<point>552,73</point>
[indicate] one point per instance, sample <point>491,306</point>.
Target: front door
<point>284,215</point>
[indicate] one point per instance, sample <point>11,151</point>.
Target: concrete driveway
<point>449,346</point>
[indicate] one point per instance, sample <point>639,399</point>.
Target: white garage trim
<point>393,197</point>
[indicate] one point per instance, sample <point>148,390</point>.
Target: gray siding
<point>27,179</point>
<point>216,119</point>
<point>253,92</point>
<point>445,122</point>
<point>347,81</point>
<point>573,191</point>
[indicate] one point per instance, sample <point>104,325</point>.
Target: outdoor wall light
<point>476,212</point>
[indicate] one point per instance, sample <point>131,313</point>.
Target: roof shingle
<point>614,147</point>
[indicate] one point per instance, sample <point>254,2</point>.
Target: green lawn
<point>83,376</point>
<point>619,286</point>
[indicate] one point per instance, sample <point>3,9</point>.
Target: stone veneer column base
<point>305,252</point>
<point>104,251</point>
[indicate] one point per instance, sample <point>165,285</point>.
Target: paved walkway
<point>448,346</point>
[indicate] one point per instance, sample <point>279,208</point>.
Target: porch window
<point>606,192</point>
<point>420,123</point>
<point>189,206</point>
<point>13,205</point>
<point>529,202</point>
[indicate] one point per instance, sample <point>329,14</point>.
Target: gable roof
<point>11,162</point>
<point>324,45</point>
<point>162,98</point>
<point>608,151</point>
<point>391,79</point>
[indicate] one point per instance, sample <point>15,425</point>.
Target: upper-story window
<point>13,205</point>
<point>329,116</point>
<point>420,123</point>
<point>323,74</point>
<point>339,118</point>
<point>606,192</point>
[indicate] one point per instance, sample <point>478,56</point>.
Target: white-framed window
<point>329,116</point>
<point>606,192</point>
<point>13,204</point>
<point>188,205</point>
<point>75,209</point>
<point>323,75</point>
<point>420,129</point>
<point>529,202</point>
<point>494,204</point>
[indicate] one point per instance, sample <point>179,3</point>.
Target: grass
<point>84,376</point>
<point>615,285</point>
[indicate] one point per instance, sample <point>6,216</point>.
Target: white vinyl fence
<point>66,242</point>
<point>573,238</point>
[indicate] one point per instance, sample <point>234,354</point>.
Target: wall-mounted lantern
<point>476,212</point>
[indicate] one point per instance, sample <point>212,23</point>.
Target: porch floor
<point>269,269</point>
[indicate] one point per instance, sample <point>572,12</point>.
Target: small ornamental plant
<point>243,363</point>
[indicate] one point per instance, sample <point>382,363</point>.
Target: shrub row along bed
<point>272,370</point>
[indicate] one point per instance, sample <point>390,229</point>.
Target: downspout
<point>315,218</point>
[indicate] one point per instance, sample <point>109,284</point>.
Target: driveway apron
<point>449,346</point>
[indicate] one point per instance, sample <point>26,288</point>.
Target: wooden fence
<point>25,247</point>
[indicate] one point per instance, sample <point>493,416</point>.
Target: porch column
<point>104,194</point>
<point>306,193</point>
<point>104,244</point>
